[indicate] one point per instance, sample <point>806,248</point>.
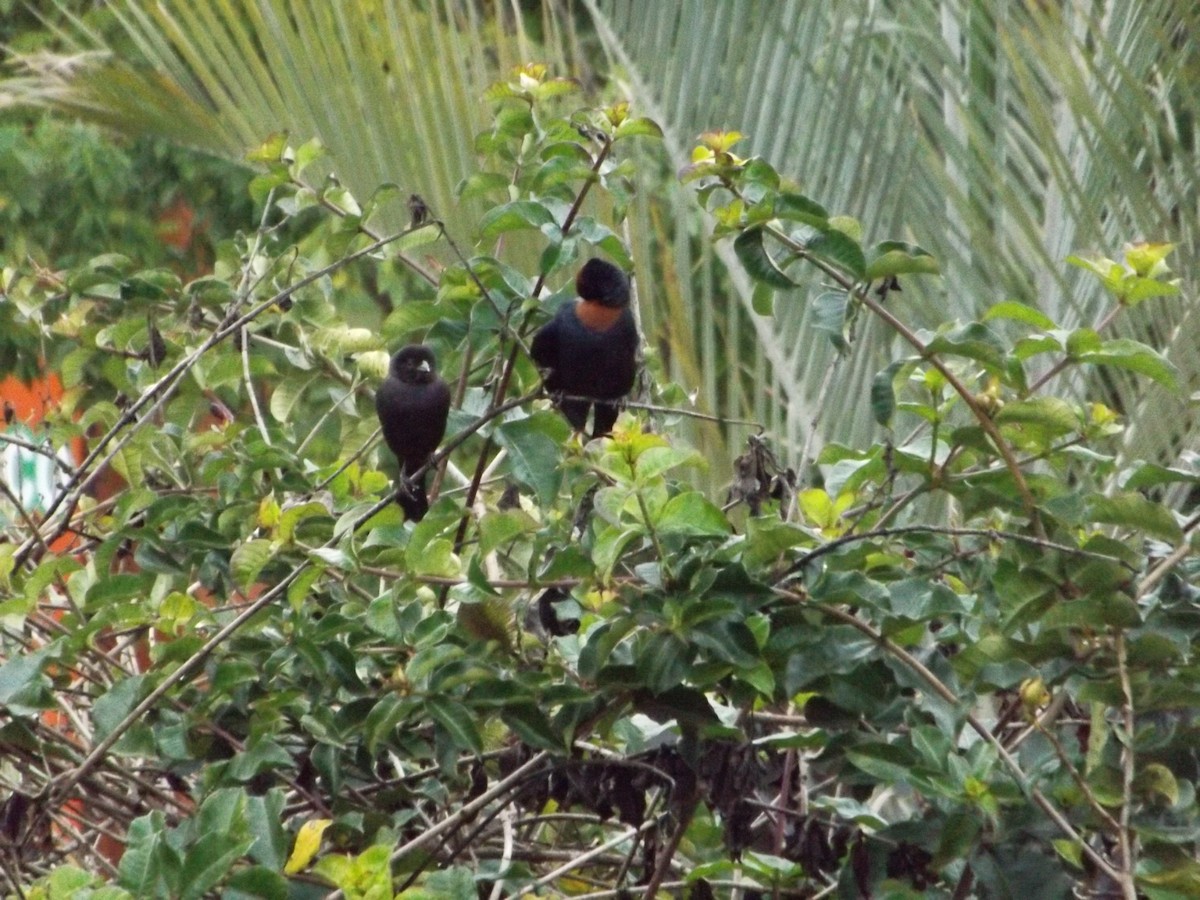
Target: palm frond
<point>1001,139</point>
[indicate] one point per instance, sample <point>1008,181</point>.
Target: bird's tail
<point>412,498</point>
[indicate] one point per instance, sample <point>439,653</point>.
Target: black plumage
<point>412,404</point>
<point>589,348</point>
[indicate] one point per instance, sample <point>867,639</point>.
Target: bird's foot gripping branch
<point>960,656</point>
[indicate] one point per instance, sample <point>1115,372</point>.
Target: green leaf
<point>457,721</point>
<point>256,881</point>
<point>1092,612</point>
<point>434,558</point>
<point>1131,510</point>
<point>883,394</point>
<point>610,543</point>
<point>694,514</point>
<point>114,705</point>
<point>249,559</point>
<point>798,208</point>
<point>264,818</point>
<point>973,341</point>
<point>418,237</point>
<point>534,446</point>
<point>890,258</point>
<point>1019,312</point>
<point>655,461</point>
<point>757,261</point>
<point>530,724</point>
<point>829,317</point>
<point>209,860</point>
<point>841,250</point>
<point>638,127</point>
<point>762,299</point>
<point>1135,356</point>
<point>1052,416</point>
<point>149,867</point>
<point>292,516</point>
<point>24,690</point>
<point>514,216</point>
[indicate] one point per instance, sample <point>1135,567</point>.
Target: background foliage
<point>958,660</point>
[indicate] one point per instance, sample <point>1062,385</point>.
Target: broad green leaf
<point>1052,416</point>
<point>1019,312</point>
<point>798,208</point>
<point>656,461</point>
<point>973,341</point>
<point>758,263</point>
<point>209,860</point>
<point>24,690</point>
<point>694,514</point>
<point>1135,356</point>
<point>837,247</point>
<point>829,317</point>
<point>534,446</point>
<point>457,720</point>
<point>638,127</point>
<point>1131,510</point>
<point>890,258</point>
<point>114,705</point>
<point>530,724</point>
<point>249,559</point>
<point>514,216</point>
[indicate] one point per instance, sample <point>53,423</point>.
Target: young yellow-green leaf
<point>270,150</point>
<point>1146,258</point>
<point>367,876</point>
<point>762,299</point>
<point>308,842</point>
<point>1137,289</point>
<point>637,127</point>
<point>1019,312</point>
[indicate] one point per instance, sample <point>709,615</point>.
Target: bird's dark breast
<point>593,363</point>
<point>413,418</point>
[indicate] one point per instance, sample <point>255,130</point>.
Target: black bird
<point>590,347</point>
<point>412,404</point>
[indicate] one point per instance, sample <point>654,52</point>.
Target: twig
<point>1128,766</point>
<point>989,533</point>
<point>584,858</point>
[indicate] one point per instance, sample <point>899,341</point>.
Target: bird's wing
<point>544,348</point>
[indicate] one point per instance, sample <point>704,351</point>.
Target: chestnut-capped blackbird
<point>590,347</point>
<point>412,404</point>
